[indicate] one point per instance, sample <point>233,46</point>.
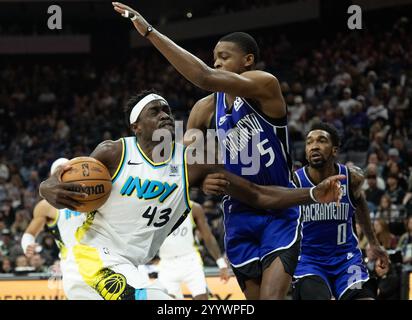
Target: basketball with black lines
<point>91,177</point>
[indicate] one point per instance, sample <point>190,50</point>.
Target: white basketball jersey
<point>146,202</point>
<point>180,242</point>
<point>64,228</point>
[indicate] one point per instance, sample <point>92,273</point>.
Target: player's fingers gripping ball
<point>96,179</point>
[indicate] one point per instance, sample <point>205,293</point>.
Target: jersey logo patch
<point>238,103</point>
<point>343,188</point>
<point>349,256</point>
<point>133,163</point>
<point>222,120</point>
<point>174,170</point>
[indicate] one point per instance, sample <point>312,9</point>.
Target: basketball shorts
<point>253,241</point>
<point>343,275</point>
<point>187,269</point>
<point>91,275</point>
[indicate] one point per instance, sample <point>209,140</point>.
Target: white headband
<point>137,109</point>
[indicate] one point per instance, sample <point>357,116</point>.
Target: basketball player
<point>262,246</point>
<point>148,201</point>
<point>62,224</point>
<point>330,262</point>
<point>180,261</point>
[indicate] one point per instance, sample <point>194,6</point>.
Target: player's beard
<point>318,164</point>
<point>321,162</point>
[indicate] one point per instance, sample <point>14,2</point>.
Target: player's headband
<point>137,109</point>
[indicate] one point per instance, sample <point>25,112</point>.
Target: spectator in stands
<point>347,103</point>
<point>357,141</point>
<point>399,101</point>
<point>405,243</point>
<point>398,129</point>
<point>378,145</point>
<point>377,111</point>
<point>374,160</point>
<point>373,170</point>
<point>37,262</point>
<point>385,238</point>
<point>6,242</point>
<point>373,193</point>
<point>49,252</point>
<point>20,223</point>
<point>6,265</point>
<point>7,211</point>
<point>395,170</point>
<point>394,190</point>
<point>386,209</point>
<point>331,118</point>
<point>13,188</point>
<point>4,176</point>
<point>407,200</point>
<point>399,143</point>
<point>357,117</point>
<point>21,262</point>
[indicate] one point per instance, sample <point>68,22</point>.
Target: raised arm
<point>362,215</point>
<point>251,84</point>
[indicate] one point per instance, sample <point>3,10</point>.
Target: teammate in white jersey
<point>180,260</point>
<point>62,223</point>
<point>148,201</point>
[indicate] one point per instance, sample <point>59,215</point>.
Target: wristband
<point>148,30</point>
<point>221,263</point>
<point>27,240</point>
<point>311,194</point>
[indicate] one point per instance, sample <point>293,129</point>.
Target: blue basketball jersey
<point>252,147</point>
<point>327,230</point>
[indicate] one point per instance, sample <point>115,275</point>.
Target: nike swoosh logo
<point>134,163</point>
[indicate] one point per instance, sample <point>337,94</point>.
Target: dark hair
<point>133,100</point>
<point>245,42</point>
<point>334,135</point>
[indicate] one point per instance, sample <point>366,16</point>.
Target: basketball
<point>96,178</point>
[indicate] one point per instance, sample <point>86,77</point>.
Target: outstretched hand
<point>139,22</point>
<point>329,190</point>
<point>380,255</point>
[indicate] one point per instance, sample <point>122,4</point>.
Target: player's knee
<point>276,294</point>
<point>271,292</point>
<point>311,288</point>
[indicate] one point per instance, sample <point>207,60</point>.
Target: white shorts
<point>186,269</point>
<point>87,275</point>
<point>73,284</point>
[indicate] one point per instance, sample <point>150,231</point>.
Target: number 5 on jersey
<point>264,151</point>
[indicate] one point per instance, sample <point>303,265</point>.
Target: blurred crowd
<point>360,82</point>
